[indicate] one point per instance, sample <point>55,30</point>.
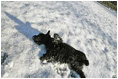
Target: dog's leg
<point>79,71</point>
<point>44,57</point>
<point>47,57</point>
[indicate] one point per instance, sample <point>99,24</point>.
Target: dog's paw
<point>44,62</point>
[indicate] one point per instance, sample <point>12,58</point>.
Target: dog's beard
<point>37,42</point>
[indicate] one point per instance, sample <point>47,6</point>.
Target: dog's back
<point>72,55</point>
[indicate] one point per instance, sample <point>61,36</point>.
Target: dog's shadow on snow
<point>26,30</point>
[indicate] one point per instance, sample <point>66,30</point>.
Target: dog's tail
<point>86,62</point>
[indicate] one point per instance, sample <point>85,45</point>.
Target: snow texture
<point>87,26</point>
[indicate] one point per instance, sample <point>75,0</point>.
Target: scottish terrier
<point>61,52</point>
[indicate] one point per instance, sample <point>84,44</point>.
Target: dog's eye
<point>39,38</point>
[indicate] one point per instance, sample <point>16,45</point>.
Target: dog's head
<point>42,38</point>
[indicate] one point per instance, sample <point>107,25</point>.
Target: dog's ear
<point>48,33</point>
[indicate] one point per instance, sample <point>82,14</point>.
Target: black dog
<point>61,52</point>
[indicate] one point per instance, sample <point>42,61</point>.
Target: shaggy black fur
<point>61,52</point>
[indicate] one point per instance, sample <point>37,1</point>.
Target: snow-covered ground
<point>87,26</point>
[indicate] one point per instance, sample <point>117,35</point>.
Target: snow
<point>87,26</point>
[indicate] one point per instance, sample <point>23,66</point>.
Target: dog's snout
<point>33,36</point>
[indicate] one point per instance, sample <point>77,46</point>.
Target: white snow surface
<point>87,26</point>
